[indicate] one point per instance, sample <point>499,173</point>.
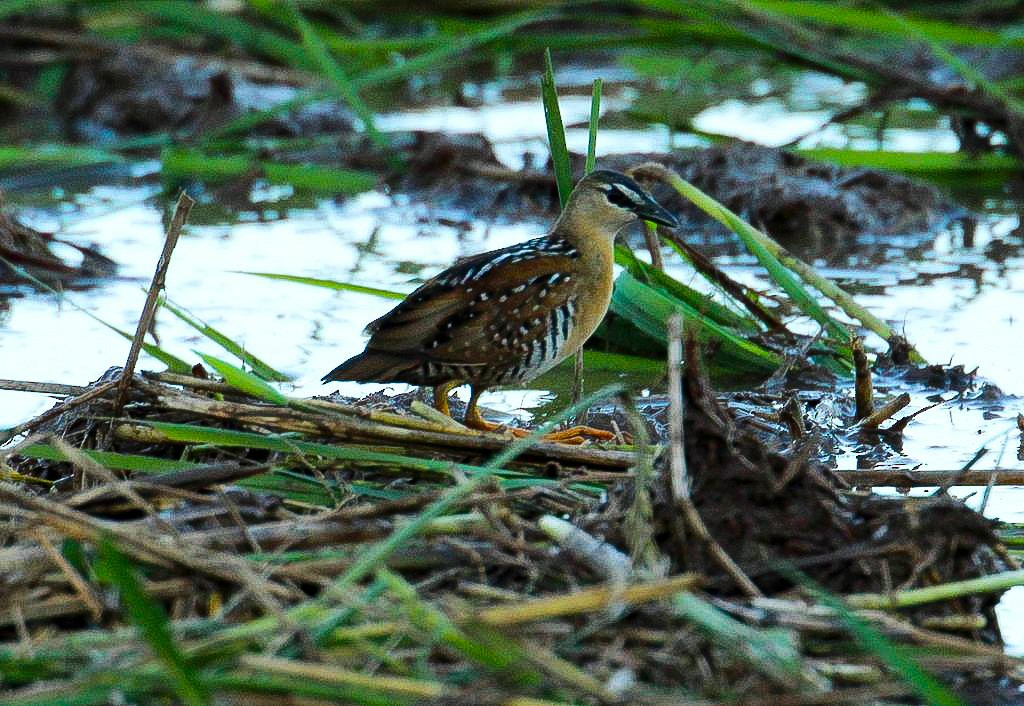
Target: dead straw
<point>181,211</point>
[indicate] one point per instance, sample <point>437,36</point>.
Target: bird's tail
<point>370,366</point>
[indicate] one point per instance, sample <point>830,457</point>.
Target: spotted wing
<point>512,307</point>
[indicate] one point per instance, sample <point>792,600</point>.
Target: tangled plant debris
<point>245,513</point>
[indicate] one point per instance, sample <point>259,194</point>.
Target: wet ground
<point>954,286</point>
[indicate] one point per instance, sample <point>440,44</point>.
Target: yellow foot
<point>577,435</point>
<point>475,421</point>
<point>574,436</point>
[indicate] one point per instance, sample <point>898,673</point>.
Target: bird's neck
<point>586,235</point>
<point>596,245</point>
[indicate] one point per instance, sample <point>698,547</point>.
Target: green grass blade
<point>258,366</point>
<point>328,284</point>
<point>24,156</point>
<point>556,132</point>
<point>672,287</point>
<point>453,45</point>
<point>174,363</point>
<point>183,163</point>
<point>772,655</point>
<point>334,74</point>
<point>595,116</point>
<point>110,459</point>
<point>206,22</point>
<point>315,177</point>
<point>895,658</point>
<point>649,309</point>
<point>244,380</point>
<point>755,242</point>
<point>192,434</point>
<point>151,620</point>
<point>872,21</point>
<point>919,163</point>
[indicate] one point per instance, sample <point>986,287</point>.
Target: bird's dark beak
<point>651,210</point>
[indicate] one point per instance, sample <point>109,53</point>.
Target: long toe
<point>571,435</point>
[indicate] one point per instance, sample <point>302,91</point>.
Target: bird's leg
<point>475,420</point>
<point>441,393</point>
<point>575,435</point>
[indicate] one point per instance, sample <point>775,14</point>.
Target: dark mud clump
<point>765,508</point>
<point>130,93</point>
<point>32,252</point>
<point>796,200</point>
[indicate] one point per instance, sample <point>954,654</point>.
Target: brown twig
<point>886,411</point>
<point>67,405</point>
<point>43,388</point>
<point>181,211</point>
<point>713,273</point>
<point>863,389</point>
<point>679,481</point>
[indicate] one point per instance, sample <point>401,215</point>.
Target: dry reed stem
<point>886,411</point>
<point>333,674</point>
<point>83,589</point>
<point>136,543</point>
<point>181,211</point>
<point>345,429</point>
<point>66,406</point>
<point>43,388</point>
<point>863,389</point>
<point>587,600</point>
<point>679,482</point>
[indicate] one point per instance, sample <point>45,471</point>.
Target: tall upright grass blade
<point>595,116</point>
<point>335,75</point>
<point>260,368</point>
<point>151,620</point>
<point>556,132</point>
<point>329,284</point>
<point>244,380</point>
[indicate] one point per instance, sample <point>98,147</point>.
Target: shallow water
<point>957,302</point>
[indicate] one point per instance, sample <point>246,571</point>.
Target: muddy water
<point>957,298</point>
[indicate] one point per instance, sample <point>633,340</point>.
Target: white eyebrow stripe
<point>630,194</point>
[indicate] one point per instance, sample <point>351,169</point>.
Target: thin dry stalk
<point>84,591</point>
<point>43,388</point>
<point>587,600</point>
<point>863,390</point>
<point>93,394</point>
<point>679,482</point>
<point>886,411</point>
<point>181,211</point>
